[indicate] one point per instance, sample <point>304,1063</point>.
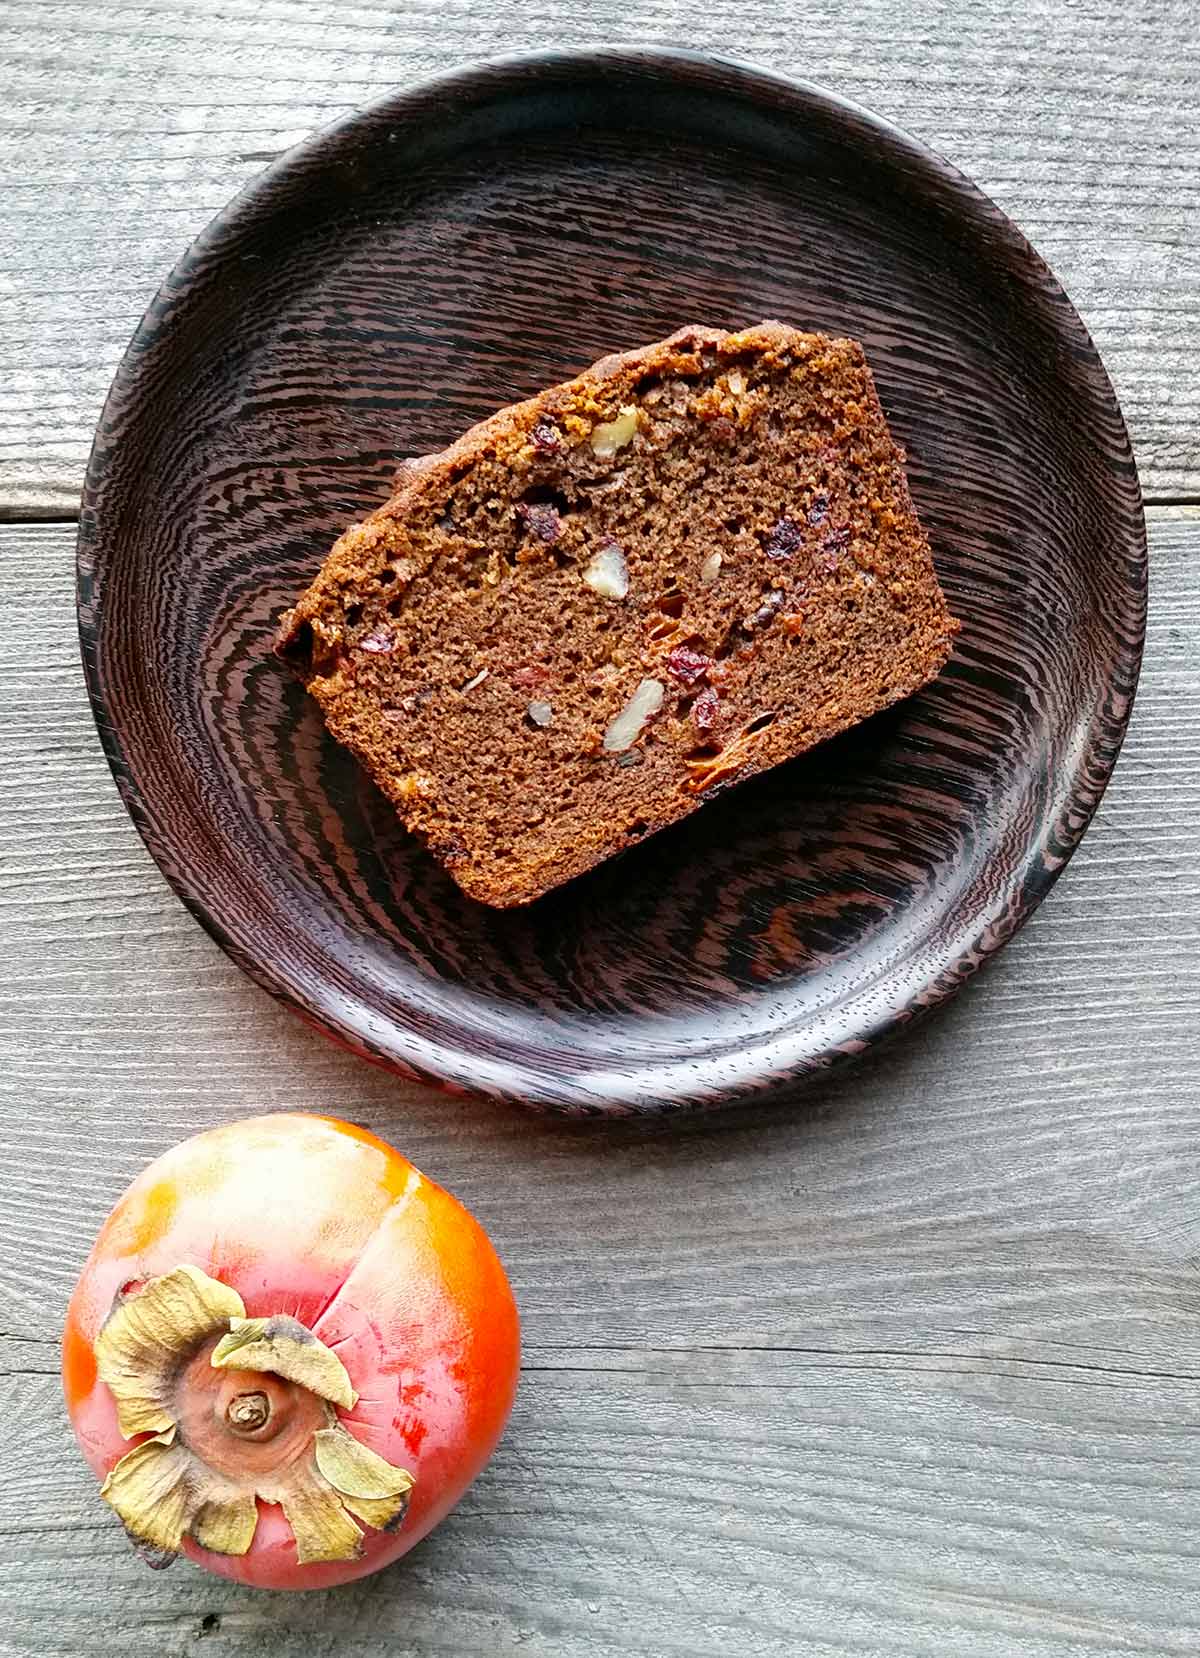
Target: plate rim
<point>778,1071</point>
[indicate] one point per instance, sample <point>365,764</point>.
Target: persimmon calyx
<point>287,1348</point>
<point>236,1410</point>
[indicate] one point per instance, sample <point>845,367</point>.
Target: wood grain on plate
<point>451,250</point>
<point>910,1370</point>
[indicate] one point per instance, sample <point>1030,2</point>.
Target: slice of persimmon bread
<point>599,607</point>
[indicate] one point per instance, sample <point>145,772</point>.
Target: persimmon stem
<point>229,1411</point>
<point>247,1412</point>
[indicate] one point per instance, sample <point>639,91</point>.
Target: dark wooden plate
<point>455,248</point>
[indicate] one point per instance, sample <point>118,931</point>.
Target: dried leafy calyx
<point>287,1348</point>
<point>238,1410</point>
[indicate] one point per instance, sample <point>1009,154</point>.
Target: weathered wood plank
<point>123,129</point>
<point>695,1506</point>
<point>910,1368</point>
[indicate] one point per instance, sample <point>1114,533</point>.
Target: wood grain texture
<point>126,128</point>
<point>385,287</point>
<point>910,1370</point>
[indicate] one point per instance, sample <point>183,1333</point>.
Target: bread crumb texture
<point>601,606</point>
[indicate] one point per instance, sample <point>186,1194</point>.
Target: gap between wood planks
<point>722,1365</point>
<point>33,513</point>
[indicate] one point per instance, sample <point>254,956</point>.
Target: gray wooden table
<point>913,1368</point>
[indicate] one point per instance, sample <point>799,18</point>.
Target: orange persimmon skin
<point>309,1216</point>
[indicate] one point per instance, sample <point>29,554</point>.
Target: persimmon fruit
<point>288,1354</point>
